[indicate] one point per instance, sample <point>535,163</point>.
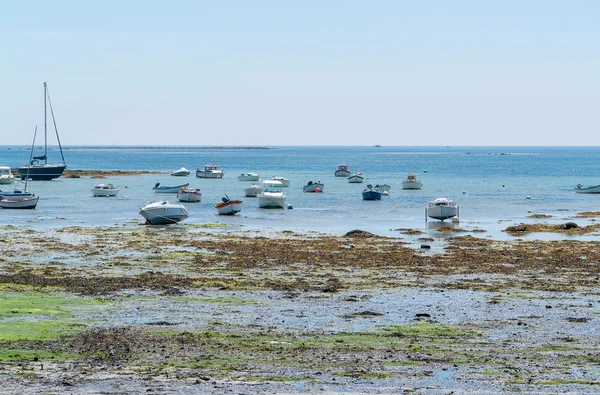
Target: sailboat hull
<point>41,172</point>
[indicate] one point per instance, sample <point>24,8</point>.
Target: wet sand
<point>212,309</point>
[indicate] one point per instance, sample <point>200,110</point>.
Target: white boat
<point>383,187</point>
<point>183,172</point>
<point>253,190</point>
<point>284,181</point>
<point>190,195</point>
<point>411,182</point>
<point>248,177</point>
<point>165,189</point>
<point>19,203</point>
<point>272,195</point>
<point>6,175</point>
<point>583,189</point>
<point>442,208</point>
<point>210,171</point>
<point>228,206</point>
<point>342,170</point>
<point>163,213</point>
<point>104,190</point>
<point>356,178</point>
<point>313,187</point>
<point>17,194</point>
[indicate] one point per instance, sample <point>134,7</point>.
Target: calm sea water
<point>490,184</point>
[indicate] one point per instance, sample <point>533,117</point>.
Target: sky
<point>303,72</point>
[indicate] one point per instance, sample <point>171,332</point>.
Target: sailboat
<point>21,199</point>
<point>38,168</point>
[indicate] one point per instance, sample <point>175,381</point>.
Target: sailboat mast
<point>45,127</point>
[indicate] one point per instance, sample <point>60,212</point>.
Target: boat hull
<point>313,187</point>
<point>7,179</point>
<point>26,203</point>
<point>229,208</point>
<point>355,179</point>
<point>342,173</point>
<point>209,174</point>
<point>284,181</point>
<point>41,172</point>
<point>594,189</point>
<point>104,192</point>
<point>442,212</point>
<point>165,189</point>
<point>163,213</point>
<point>271,200</point>
<point>252,191</point>
<point>371,195</point>
<point>189,196</point>
<point>383,188</point>
<point>249,177</point>
<point>412,185</point>
<point>15,195</point>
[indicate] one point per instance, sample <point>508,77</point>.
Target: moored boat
<point>165,189</point>
<point>383,187</point>
<point>285,182</point>
<point>272,195</point>
<point>16,194</point>
<point>411,182</point>
<point>253,190</point>
<point>442,208</point>
<point>182,172</point>
<point>228,207</point>
<point>248,177</point>
<point>20,203</point>
<point>371,193</point>
<point>163,213</point>
<point>313,187</point>
<point>583,189</point>
<point>210,171</point>
<point>6,175</point>
<point>104,190</point>
<point>356,178</point>
<point>189,195</point>
<point>342,170</point>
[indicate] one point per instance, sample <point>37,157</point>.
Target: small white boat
<point>342,170</point>
<point>383,187</point>
<point>442,208</point>
<point>6,175</point>
<point>356,178</point>
<point>284,181</point>
<point>583,189</point>
<point>183,172</point>
<point>104,190</point>
<point>371,193</point>
<point>248,177</point>
<point>272,195</point>
<point>163,213</point>
<point>253,190</point>
<point>228,206</point>
<point>313,187</point>
<point>164,189</point>
<point>210,171</point>
<point>190,195</point>
<point>20,203</point>
<point>411,182</point>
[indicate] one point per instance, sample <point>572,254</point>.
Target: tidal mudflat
<point>213,309</point>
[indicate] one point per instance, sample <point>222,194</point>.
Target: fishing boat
<point>190,195</point>
<point>342,170</point>
<point>383,187</point>
<point>21,199</point>
<point>272,195</point>
<point>182,172</point>
<point>248,177</point>
<point>6,175</point>
<point>317,186</point>
<point>371,193</point>
<point>356,178</point>
<point>411,182</point>
<point>583,189</point>
<point>285,182</point>
<point>253,190</point>
<point>442,208</point>
<point>228,207</point>
<point>165,189</point>
<point>38,167</point>
<point>105,190</point>
<point>163,213</point>
<point>210,171</point>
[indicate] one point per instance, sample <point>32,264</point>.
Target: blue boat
<point>370,193</point>
<point>16,194</point>
<point>164,189</point>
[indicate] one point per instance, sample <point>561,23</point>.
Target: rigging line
<point>55,128</point>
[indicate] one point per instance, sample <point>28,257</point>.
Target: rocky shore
<point>211,309</point>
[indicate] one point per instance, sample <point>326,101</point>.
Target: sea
<point>494,187</point>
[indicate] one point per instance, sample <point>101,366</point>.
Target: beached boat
<point>165,189</point>
<point>6,175</point>
<point>272,195</point>
<point>182,172</point>
<point>371,193</point>
<point>210,171</point>
<point>37,170</point>
<point>284,181</point>
<point>583,189</point>
<point>342,170</point>
<point>253,190</point>
<point>228,207</point>
<point>313,187</point>
<point>190,195</point>
<point>163,213</point>
<point>104,190</point>
<point>442,208</point>
<point>411,182</point>
<point>383,187</point>
<point>248,177</point>
<point>19,203</point>
<point>356,178</point>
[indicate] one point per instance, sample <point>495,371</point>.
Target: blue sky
<point>346,72</point>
